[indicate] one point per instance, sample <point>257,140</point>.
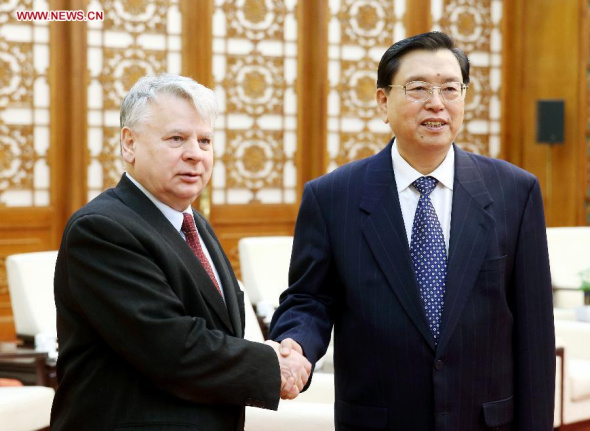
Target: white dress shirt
<point>441,196</point>
<point>176,218</point>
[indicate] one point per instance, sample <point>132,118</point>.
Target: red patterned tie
<point>192,239</point>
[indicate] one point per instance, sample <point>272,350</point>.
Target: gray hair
<point>134,108</point>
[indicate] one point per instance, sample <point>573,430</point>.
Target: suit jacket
<point>494,365</point>
<point>145,340</point>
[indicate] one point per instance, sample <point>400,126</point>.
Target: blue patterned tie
<point>429,255</point>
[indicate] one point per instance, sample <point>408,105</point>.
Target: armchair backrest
<point>252,331</point>
<point>264,264</point>
<point>30,283</point>
<point>569,254</point>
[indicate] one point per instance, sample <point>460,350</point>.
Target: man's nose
<point>192,150</point>
<point>435,101</point>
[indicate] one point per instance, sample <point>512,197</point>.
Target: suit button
<point>439,364</point>
<point>248,401</point>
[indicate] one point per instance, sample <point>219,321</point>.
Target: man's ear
<point>128,142</point>
<point>381,98</point>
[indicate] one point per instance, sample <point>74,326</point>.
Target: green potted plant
<point>585,287</point>
<point>583,313</point>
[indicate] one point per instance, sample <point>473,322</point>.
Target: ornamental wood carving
<point>255,68</point>
<point>475,26</point>
<point>136,38</point>
<point>24,113</point>
<point>365,31</point>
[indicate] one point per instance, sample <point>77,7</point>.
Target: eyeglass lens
<point>421,91</point>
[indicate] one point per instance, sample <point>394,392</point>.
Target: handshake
<point>295,368</point>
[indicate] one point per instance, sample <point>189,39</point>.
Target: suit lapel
<point>471,225</point>
<point>141,204</point>
<point>225,274</point>
<point>385,233</point>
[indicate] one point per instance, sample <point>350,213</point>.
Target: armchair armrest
<point>12,353</point>
<point>321,389</point>
<point>574,336</point>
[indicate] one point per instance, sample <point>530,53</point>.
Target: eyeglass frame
<point>464,87</point>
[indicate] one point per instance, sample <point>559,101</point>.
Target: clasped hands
<point>295,368</point>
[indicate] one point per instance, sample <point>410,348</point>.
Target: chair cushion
<point>30,283</point>
<point>579,375</point>
<point>292,416</point>
<point>25,408</point>
<point>264,263</point>
<point>568,255</point>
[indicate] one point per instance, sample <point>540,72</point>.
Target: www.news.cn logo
<point>59,15</point>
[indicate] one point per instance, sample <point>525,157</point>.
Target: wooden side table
<point>27,365</point>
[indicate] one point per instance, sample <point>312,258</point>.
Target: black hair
<point>432,41</point>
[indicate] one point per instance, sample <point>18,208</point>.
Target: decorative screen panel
<point>136,38</point>
<point>255,72</point>
<point>360,31</point>
<point>475,26</point>
<point>24,107</point>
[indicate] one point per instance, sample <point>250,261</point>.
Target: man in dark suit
<point>431,265</point>
<point>150,317</point>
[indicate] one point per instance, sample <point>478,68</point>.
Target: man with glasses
<point>431,265</point>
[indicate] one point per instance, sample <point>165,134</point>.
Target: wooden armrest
<point>13,351</point>
<point>10,352</point>
<point>559,353</point>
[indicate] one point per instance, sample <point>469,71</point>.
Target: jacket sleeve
<point>534,333</point>
<point>113,289</point>
<point>306,308</point>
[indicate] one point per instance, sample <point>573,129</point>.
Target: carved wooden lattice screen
<point>255,69</point>
<point>360,32</point>
<point>475,26</point>
<point>135,39</point>
<point>24,108</point>
<point>25,153</point>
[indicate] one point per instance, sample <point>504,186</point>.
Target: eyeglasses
<point>419,91</point>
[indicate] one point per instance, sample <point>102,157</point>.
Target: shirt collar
<point>173,216</point>
<point>405,174</point>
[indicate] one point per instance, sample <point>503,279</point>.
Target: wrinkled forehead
<point>429,66</point>
<point>184,98</point>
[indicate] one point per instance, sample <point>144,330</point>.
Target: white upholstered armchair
<point>313,410</point>
<point>30,283</point>
<point>569,255</point>
<point>574,337</point>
